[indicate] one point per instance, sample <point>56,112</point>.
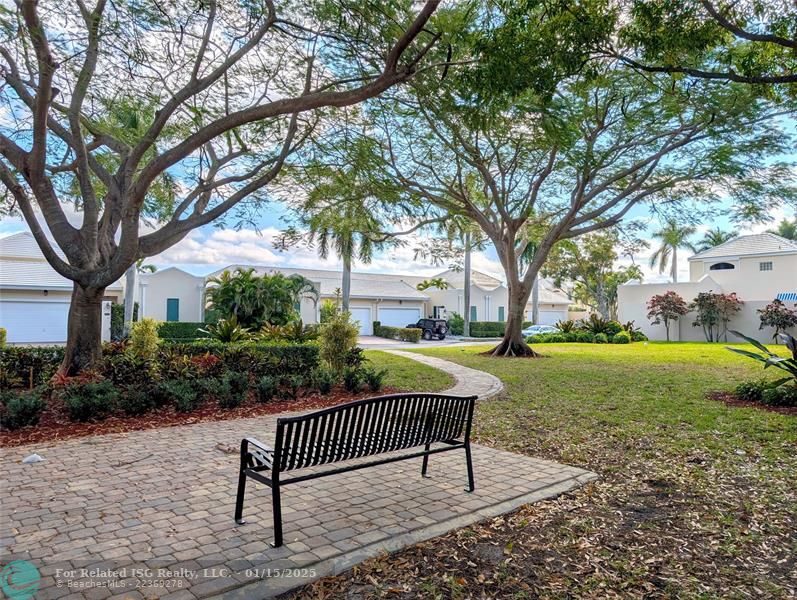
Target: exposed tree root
<point>512,349</point>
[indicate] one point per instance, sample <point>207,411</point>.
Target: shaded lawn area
<point>406,374</point>
<point>695,499</point>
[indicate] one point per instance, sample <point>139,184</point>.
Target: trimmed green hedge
<point>405,334</point>
<point>483,329</point>
<point>20,364</point>
<point>178,330</point>
<point>585,337</point>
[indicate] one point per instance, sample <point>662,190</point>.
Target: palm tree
<point>351,233</point>
<point>131,281</point>
<point>436,282</point>
<point>672,236</point>
<point>714,237</point>
<point>787,229</point>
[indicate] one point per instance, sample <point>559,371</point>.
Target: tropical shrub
<point>178,393</point>
<point>483,329</point>
<point>337,339</point>
<point>126,368</point>
<point>295,333</point>
<point>233,389</point>
<point>136,400</point>
<point>291,384</point>
<point>567,326</point>
<point>118,320</point>
<point>750,391</point>
<point>3,335</point>
<point>556,338</point>
<point>596,324</point>
<point>375,378</point>
<point>456,324</point>
<point>638,336</point>
<point>265,388</point>
<point>621,337</point>
<point>352,379</point>
<point>666,308</point>
<point>21,410</point>
<point>254,300</point>
<point>226,331</point>
<point>630,327</point>
<point>144,339</point>
<point>770,359</point>
<point>777,315</point>
<point>601,338</point>
<point>179,330</point>
<point>324,380</point>
<point>327,310</point>
<point>585,337</point>
<point>612,328</point>
<point>89,401</point>
<point>206,388</point>
<point>784,395</point>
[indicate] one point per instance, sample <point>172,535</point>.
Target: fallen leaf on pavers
<point>226,448</point>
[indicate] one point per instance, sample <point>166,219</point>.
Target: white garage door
<point>34,322</point>
<point>362,315</point>
<point>398,317</point>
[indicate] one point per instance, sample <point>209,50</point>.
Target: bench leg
<point>469,460</point>
<point>277,512</point>
<point>239,500</point>
<point>425,460</point>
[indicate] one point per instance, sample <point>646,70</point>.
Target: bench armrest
<point>257,454</point>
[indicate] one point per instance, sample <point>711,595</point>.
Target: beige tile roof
<point>746,245</point>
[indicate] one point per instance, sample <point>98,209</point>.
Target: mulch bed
<point>54,425</point>
<point>731,400</point>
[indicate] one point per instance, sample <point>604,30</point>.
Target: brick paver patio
<point>163,499</point>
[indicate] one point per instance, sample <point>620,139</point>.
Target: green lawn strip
<point>695,499</point>
<point>406,374</point>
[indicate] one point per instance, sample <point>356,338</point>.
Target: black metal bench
<point>356,430</point>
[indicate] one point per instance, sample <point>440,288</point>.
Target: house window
<point>473,314</point>
<point>723,266</point>
<point>172,309</point>
<point>765,266</point>
<point>501,317</point>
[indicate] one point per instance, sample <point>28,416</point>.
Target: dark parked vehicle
<point>432,328</point>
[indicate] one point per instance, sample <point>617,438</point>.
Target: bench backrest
<point>371,426</point>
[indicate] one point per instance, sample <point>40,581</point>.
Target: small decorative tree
<point>777,315</point>
<point>714,312</point>
<point>666,308</point>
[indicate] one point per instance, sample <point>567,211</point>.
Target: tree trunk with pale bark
<point>513,343</point>
<point>84,330</point>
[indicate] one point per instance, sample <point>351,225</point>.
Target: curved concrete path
<point>467,381</point>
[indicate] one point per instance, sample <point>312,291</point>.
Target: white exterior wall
<point>632,300</point>
<point>485,301</point>
<point>156,288</point>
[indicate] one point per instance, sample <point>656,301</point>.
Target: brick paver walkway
<point>150,514</point>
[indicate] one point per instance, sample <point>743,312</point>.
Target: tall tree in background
<point>787,229</point>
<point>714,237</point>
<point>672,236</point>
<point>589,262</point>
<point>575,164</point>
<point>232,96</point>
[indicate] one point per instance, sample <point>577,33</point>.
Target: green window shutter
<point>172,309</point>
<point>501,313</point>
<point>473,314</point>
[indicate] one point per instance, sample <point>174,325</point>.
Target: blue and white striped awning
<point>787,296</point>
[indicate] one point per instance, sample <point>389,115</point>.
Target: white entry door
<point>361,315</point>
<point>28,322</point>
<point>398,317</point>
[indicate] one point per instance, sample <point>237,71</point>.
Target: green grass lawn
<point>695,498</point>
<point>409,375</point>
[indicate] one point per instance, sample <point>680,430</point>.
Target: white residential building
<point>758,268</point>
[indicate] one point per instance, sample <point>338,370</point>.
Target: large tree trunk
<point>466,288</point>
<point>346,283</point>
<point>535,301</point>
<point>131,276</point>
<point>513,343</point>
<point>84,331</point>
